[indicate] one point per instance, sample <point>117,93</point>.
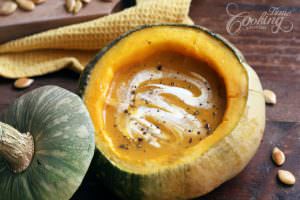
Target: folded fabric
<point>73,46</point>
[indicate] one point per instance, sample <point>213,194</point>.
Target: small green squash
<point>46,145</point>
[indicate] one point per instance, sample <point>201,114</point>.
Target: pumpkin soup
<point>159,107</point>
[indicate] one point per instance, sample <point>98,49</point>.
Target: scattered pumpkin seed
<point>8,8</point>
<point>23,83</point>
<point>78,6</point>
<point>70,5</point>
<point>278,156</point>
<point>286,177</point>
<point>270,97</point>
<point>39,1</point>
<point>86,1</point>
<point>26,5</point>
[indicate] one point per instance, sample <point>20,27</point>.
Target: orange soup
<point>162,106</point>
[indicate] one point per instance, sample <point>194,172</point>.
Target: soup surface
<point>162,106</point>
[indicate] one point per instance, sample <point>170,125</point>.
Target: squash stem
<point>16,148</point>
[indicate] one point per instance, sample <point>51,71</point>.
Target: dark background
<point>276,59</point>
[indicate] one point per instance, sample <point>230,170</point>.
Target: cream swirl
<point>142,120</point>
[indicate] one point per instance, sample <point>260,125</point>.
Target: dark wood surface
<point>276,58</point>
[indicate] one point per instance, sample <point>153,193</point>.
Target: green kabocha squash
<point>46,145</point>
<point>155,96</point>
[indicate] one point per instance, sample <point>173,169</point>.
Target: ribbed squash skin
<point>221,162</point>
<point>63,145</point>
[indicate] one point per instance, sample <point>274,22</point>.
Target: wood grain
<point>48,15</point>
<point>276,59</point>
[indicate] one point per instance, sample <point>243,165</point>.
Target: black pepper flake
<point>157,127</point>
<point>142,129</point>
<point>149,42</point>
<point>133,92</point>
<point>198,132</point>
<point>126,111</point>
<point>157,110</point>
<point>190,140</point>
<point>208,88</point>
<point>144,133</point>
<point>177,72</point>
<point>172,84</point>
<point>159,67</point>
<point>200,104</point>
<point>214,113</point>
<point>207,126</point>
<point>196,112</point>
<point>140,139</point>
<point>189,130</point>
<point>115,125</point>
<point>123,146</point>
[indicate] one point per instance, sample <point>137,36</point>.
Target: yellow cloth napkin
<point>73,46</point>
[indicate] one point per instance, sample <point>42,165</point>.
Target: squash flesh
<point>189,42</point>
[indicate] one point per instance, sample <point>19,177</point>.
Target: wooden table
<point>276,58</point>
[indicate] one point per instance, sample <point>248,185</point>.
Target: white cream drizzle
<point>174,118</point>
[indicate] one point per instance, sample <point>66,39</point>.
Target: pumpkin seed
<point>70,4</point>
<point>38,1</point>
<point>78,6</point>
<point>26,5</point>
<point>8,8</point>
<point>278,156</point>
<point>286,177</point>
<point>86,1</point>
<point>23,83</point>
<point>270,97</point>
